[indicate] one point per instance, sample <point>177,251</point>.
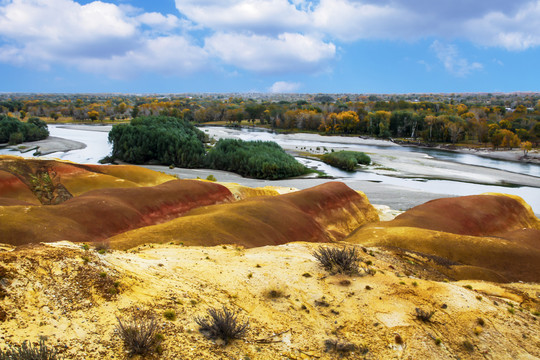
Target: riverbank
<point>51,144</point>
<point>400,177</point>
<point>516,155</point>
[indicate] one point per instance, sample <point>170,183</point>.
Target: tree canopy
<point>14,131</point>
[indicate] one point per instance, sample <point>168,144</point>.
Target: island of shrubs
<point>346,160</point>
<point>13,131</point>
<point>169,140</point>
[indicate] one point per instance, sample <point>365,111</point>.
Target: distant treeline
<point>13,131</point>
<point>503,120</point>
<point>176,142</point>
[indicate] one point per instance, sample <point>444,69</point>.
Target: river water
<point>98,147</point>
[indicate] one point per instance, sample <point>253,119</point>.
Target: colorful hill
<point>324,213</point>
<point>491,237</point>
<point>99,214</point>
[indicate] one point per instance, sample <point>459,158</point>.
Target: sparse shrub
<point>511,310</point>
<point>140,334</point>
<point>424,315</point>
<point>169,315</point>
<point>306,275</point>
<point>211,178</point>
<point>414,283</point>
<point>468,346</point>
<point>468,287</point>
<point>274,292</point>
<point>536,313</point>
<point>346,160</point>
<point>343,348</point>
<point>338,260</point>
<point>223,324</point>
<point>103,274</point>
<point>480,321</point>
<point>27,351</point>
<point>438,341</point>
<point>102,247</point>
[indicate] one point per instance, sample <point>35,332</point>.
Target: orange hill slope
<point>324,213</point>
<point>52,181</point>
<point>490,237</point>
<point>99,214</point>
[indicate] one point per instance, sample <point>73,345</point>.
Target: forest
<point>497,120</point>
<point>13,131</point>
<point>171,141</point>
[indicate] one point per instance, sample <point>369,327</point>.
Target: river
<point>411,159</point>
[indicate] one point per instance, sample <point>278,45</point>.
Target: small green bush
<point>338,260</point>
<point>424,315</point>
<point>223,324</point>
<point>140,334</point>
<point>169,315</point>
<point>346,160</point>
<point>27,351</point>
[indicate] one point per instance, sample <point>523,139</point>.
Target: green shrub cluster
<point>167,140</point>
<point>346,160</point>
<point>14,131</point>
<point>257,159</point>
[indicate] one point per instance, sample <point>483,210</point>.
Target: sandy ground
<point>48,146</point>
<point>60,292</point>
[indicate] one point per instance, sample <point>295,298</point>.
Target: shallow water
<point>98,147</point>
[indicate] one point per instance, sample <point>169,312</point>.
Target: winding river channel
<point>415,169</point>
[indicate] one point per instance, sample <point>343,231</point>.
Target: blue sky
<point>326,46</point>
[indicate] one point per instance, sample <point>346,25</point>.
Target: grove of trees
<point>13,131</point>
<point>172,141</point>
<point>498,120</point>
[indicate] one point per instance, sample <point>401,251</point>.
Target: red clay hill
<point>323,213</point>
<point>48,201</point>
<point>489,237</point>
<point>41,201</point>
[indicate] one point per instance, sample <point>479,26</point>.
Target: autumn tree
<point>526,146</point>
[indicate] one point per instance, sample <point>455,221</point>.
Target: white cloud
<point>98,37</point>
<point>284,53</point>
<point>280,87</point>
<point>518,31</point>
<point>452,61</point>
<point>514,25</point>
<point>259,16</point>
<point>167,55</point>
<point>270,36</point>
<point>159,21</point>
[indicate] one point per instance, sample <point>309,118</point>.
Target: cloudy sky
<point>328,46</point>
